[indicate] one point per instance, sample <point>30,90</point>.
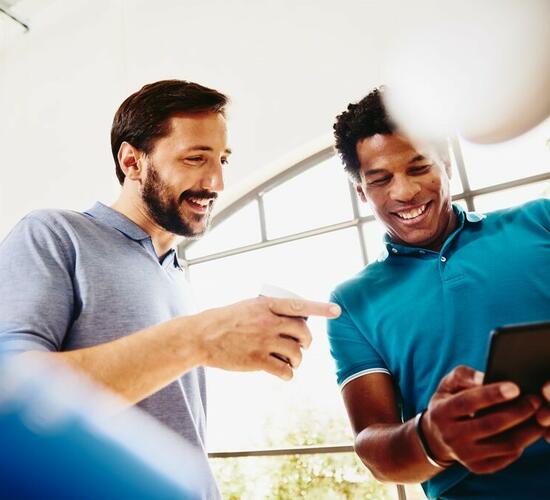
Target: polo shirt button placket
<point>443,259</point>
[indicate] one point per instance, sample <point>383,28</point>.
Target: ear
<point>360,192</point>
<point>129,161</point>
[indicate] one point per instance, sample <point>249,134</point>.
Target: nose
<point>404,188</point>
<point>213,178</point>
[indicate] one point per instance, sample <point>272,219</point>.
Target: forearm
<point>140,364</point>
<point>392,452</point>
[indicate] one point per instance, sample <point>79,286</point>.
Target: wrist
<point>186,339</point>
<point>431,451</point>
<point>207,325</point>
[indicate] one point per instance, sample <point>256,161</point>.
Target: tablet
<point>521,354</point>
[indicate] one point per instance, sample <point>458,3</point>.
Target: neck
<point>132,207</point>
<point>452,223</point>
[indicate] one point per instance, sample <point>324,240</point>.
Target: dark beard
<point>165,210</point>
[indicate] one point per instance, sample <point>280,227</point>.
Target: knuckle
<point>461,372</point>
<point>486,425</point>
<point>460,404</point>
<point>269,321</point>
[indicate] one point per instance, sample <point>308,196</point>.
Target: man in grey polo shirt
<point>103,291</point>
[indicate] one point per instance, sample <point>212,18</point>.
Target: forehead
<point>196,129</point>
<point>384,150</point>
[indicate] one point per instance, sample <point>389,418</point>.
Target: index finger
<point>303,307</point>
<point>470,401</point>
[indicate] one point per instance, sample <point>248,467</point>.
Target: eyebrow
<point>417,158</point>
<point>375,171</point>
<point>205,148</point>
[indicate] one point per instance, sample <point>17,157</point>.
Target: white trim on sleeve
<point>361,373</point>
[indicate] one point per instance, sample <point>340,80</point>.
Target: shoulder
<point>57,221</point>
<point>355,288</point>
<point>47,228</point>
<point>54,217</point>
<point>537,211</point>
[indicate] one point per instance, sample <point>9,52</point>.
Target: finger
<point>295,328</point>
<point>460,378</point>
<point>470,401</point>
<point>546,391</point>
<point>543,416</point>
<point>287,350</point>
<point>512,442</point>
<point>503,419</point>
<point>278,368</point>
<point>303,308</point>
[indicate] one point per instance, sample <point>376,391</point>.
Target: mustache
<point>201,195</point>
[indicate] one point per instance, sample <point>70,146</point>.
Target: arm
<point>454,426</point>
<point>36,264</point>
<point>389,448</point>
<point>239,337</point>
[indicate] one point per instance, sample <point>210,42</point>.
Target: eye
<point>379,182</point>
<point>422,169</point>
<point>194,160</point>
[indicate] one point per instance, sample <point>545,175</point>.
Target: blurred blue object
<point>61,438</point>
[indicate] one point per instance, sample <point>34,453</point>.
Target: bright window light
<point>318,197</point>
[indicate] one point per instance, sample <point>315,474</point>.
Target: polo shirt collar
<point>394,248</point>
<point>121,223</point>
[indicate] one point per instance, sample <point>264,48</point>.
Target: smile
<point>199,205</point>
<point>412,215</point>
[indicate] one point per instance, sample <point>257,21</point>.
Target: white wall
<point>289,65</point>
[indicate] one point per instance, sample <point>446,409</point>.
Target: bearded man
<point>103,290</point>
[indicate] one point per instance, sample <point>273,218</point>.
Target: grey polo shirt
<point>71,280</point>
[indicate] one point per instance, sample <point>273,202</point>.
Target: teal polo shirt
<point>416,314</point>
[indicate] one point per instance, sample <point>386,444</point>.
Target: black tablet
<point>521,354</point>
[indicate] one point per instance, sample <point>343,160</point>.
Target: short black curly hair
<point>364,119</point>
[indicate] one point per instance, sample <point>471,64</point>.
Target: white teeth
<point>200,201</point>
<point>411,214</point>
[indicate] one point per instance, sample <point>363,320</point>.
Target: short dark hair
<point>364,119</point>
<point>144,116</point>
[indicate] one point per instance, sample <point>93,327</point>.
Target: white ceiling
<point>289,66</point>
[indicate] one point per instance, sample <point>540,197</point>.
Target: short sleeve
<point>36,288</point>
<point>353,353</point>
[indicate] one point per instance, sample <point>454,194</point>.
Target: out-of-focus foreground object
<point>477,68</point>
<point>63,438</point>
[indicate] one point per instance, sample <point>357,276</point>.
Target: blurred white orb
<point>480,68</point>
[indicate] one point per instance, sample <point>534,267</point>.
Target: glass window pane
<point>456,184</point>
<point>315,198</point>
<point>512,197</point>
<point>256,406</point>
<point>364,208</point>
<point>526,155</point>
<point>241,228</point>
<point>373,233</point>
<point>319,477</point>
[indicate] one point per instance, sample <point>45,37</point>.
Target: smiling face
<point>183,173</point>
<point>409,193</point>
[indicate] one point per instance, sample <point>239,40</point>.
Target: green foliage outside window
<point>331,476</point>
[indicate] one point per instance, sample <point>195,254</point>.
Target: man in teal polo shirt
<point>412,338</point>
